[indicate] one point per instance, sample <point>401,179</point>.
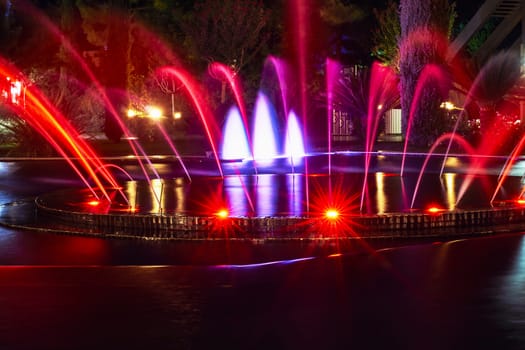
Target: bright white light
<point>264,144</point>
<point>131,113</point>
<point>153,112</point>
<point>16,90</point>
<point>331,214</point>
<point>235,142</point>
<point>294,145</point>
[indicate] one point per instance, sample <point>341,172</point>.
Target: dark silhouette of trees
<point>234,32</point>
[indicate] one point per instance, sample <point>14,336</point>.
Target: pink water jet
<point>431,74</point>
<point>281,71</point>
<point>489,146</point>
<point>56,34</point>
<point>506,169</point>
<point>332,76</point>
<point>300,11</point>
<point>54,127</point>
<point>460,140</point>
<point>225,73</point>
<point>199,101</point>
<point>383,83</point>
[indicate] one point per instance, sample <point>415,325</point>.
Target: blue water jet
<point>294,145</point>
<point>264,139</point>
<point>235,141</point>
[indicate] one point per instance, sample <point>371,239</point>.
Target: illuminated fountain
<point>262,190</point>
<point>264,181</point>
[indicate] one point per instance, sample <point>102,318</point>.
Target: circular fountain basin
<point>267,207</point>
<point>186,226</point>
<point>277,204</point>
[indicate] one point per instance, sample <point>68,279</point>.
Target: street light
<point>153,112</point>
<point>131,113</point>
<point>449,106</point>
<point>150,112</point>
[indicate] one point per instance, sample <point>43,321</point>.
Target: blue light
<point>268,263</point>
<point>294,149</point>
<point>235,142</point>
<point>264,144</point>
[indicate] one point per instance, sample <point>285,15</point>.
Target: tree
<point>233,32</point>
<point>353,92</point>
<point>342,20</point>
<point>107,27</point>
<point>492,85</point>
<point>425,29</point>
<point>82,106</point>
<point>22,138</point>
<point>22,39</point>
<point>386,35</point>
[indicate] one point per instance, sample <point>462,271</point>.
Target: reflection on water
<point>450,190</point>
<point>381,197</point>
<point>295,185</point>
<point>267,190</point>
<point>237,195</point>
<point>421,296</point>
<point>63,292</point>
<point>511,294</point>
<point>285,195</point>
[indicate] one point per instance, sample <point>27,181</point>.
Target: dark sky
<point>467,8</point>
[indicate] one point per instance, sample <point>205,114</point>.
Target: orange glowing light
<point>154,112</point>
<point>132,113</point>
<point>434,210</point>
<point>223,214</point>
<point>94,203</point>
<point>331,214</point>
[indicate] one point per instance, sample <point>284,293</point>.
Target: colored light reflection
<point>332,211</point>
<point>236,195</point>
<point>267,190</point>
<point>450,180</point>
<point>295,187</point>
<point>381,197</point>
<point>262,264</point>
